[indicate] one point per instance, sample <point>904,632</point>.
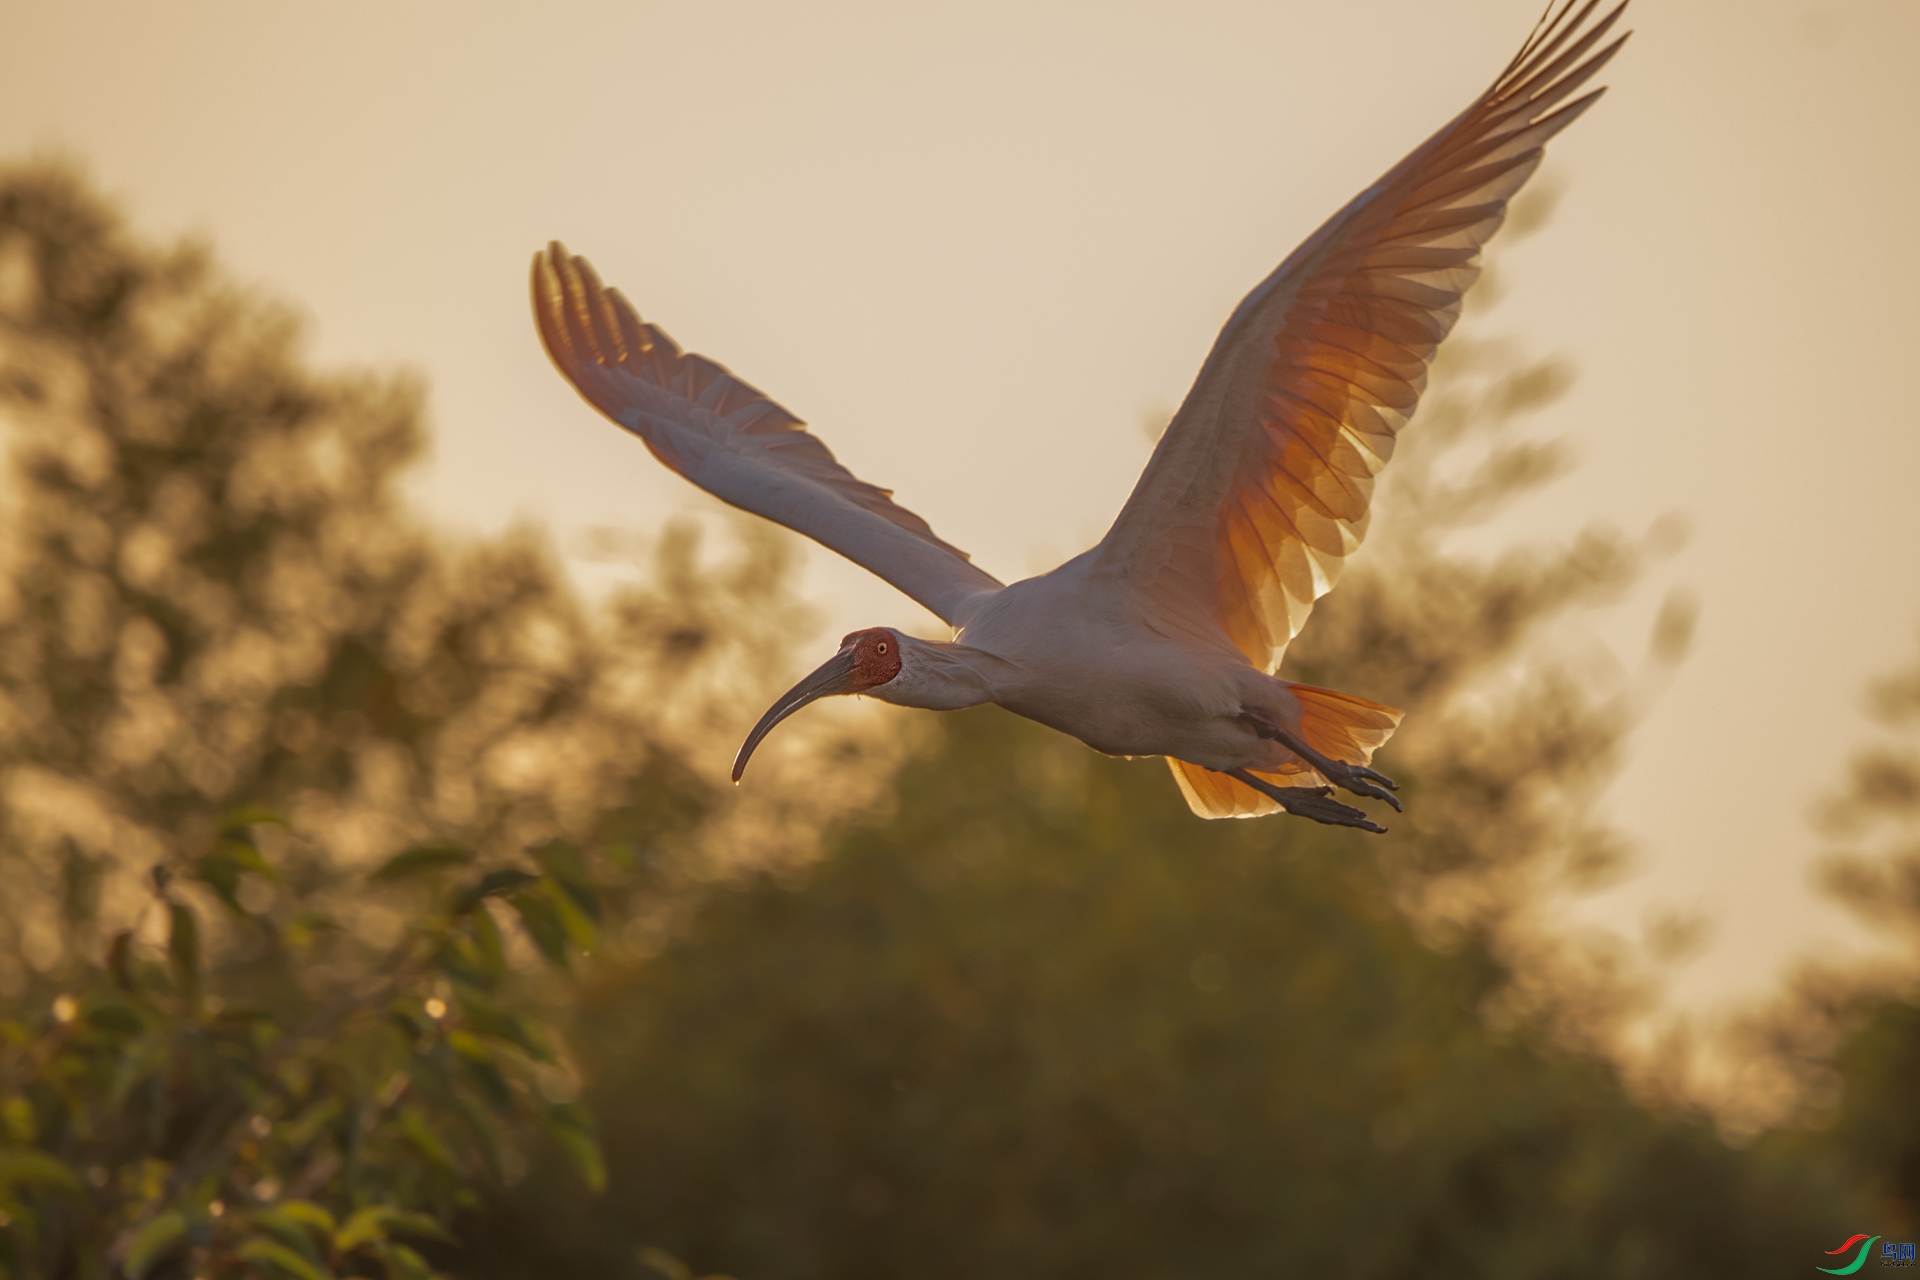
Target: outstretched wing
<point>1259,489</point>
<point>732,441</point>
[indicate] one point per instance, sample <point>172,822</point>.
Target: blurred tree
<point>1879,817</point>
<point>1877,1125</point>
<point>1038,1021</point>
<point>1835,1063</point>
<point>215,596</point>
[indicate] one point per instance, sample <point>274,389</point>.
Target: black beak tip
<point>833,676</point>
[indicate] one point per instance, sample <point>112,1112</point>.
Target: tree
<point>1831,1063</point>
<point>215,598</point>
<point>235,1045</point>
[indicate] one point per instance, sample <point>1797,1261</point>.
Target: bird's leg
<point>1356,778</point>
<point>1308,802</point>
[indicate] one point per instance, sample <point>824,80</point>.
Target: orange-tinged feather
<point>1335,724</point>
<point>1326,360</point>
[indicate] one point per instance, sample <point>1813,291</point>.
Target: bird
<point>1164,639</point>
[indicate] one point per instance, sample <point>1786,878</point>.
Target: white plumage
<point>1162,639</point>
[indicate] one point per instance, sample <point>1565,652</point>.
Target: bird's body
<point>1064,649</point>
<point>1164,638</point>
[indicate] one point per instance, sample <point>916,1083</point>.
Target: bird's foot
<point>1357,778</point>
<point>1309,802</point>
<point>1360,780</point>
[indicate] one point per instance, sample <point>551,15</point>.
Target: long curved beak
<point>835,675</point>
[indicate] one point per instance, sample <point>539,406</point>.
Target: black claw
<point>1361,788</point>
<point>1310,802</point>
<point>1356,778</point>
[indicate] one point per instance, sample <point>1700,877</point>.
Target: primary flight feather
<point>1162,639</point>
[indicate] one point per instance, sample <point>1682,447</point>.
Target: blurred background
<point>300,517</point>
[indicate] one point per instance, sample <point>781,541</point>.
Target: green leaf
<point>308,1214</point>
<point>494,884</point>
<point>307,926</point>
<point>572,1126</point>
<point>246,855</point>
<point>309,1125</point>
<point>484,1017</point>
<point>120,960</point>
<point>401,1262</point>
<point>568,867</point>
<point>477,1060</point>
<point>232,857</point>
<point>487,941</point>
<point>26,1167</point>
<point>469,1047</point>
<point>154,1239</point>
<point>235,821</point>
<point>669,1266</point>
<point>183,948</point>
<point>293,1232</point>
<point>460,960</point>
<point>375,1222</point>
<point>17,1115</point>
<point>414,1126</point>
<point>114,1016</point>
<point>362,1226</point>
<point>271,1253</point>
<point>223,877</point>
<point>423,859</point>
<point>406,1222</point>
<point>580,927</point>
<point>543,924</point>
<point>665,1263</point>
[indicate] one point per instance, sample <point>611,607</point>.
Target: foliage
<point>1879,817</point>
<point>290,1102</point>
<point>1837,1056</point>
<point>1878,1119</point>
<point>216,596</point>
<point>1041,1023</point>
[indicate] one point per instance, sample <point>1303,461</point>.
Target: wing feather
<point>725,436</point>
<point>1260,488</point>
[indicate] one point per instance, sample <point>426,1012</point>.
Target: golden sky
<point>976,245</point>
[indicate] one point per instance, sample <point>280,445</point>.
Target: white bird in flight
<point>1164,638</point>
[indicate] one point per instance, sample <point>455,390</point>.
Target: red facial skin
<point>876,657</point>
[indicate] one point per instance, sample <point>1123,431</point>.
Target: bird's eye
<point>881,647</point>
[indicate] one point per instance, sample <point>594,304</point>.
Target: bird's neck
<point>941,677</point>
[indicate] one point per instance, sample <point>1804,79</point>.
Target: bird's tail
<point>1334,724</point>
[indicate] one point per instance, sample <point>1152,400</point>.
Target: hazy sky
<point>976,245</point>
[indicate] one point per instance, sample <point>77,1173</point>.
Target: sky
<point>977,246</point>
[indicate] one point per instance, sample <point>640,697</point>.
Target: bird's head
<point>895,668</point>
<point>867,661</point>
